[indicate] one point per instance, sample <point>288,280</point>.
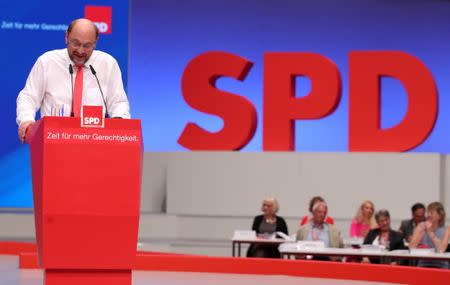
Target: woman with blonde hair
<point>432,234</point>
<point>364,220</point>
<point>265,225</point>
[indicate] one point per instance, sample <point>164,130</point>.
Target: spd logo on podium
<point>92,117</point>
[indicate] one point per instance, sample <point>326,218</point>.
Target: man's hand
<point>23,129</point>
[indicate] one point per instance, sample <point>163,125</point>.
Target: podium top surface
<point>71,122</point>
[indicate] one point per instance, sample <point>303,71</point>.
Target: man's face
<point>319,214</point>
<point>81,43</point>
<point>419,216</point>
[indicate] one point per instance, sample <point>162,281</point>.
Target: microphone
<point>99,87</point>
<point>71,80</point>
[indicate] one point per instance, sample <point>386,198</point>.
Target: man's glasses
<point>77,44</point>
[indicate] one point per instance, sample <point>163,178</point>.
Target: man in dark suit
<point>407,226</point>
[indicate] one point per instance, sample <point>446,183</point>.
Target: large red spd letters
<point>281,107</point>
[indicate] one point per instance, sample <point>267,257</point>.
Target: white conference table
<point>290,249</point>
<point>238,242</point>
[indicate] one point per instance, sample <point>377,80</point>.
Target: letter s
<point>200,92</point>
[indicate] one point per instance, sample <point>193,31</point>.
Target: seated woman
<point>384,235</point>
<point>432,234</point>
<point>265,225</point>
<point>329,220</point>
<point>364,220</point>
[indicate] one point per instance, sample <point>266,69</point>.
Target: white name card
<point>244,235</point>
<point>422,251</point>
<point>372,248</point>
<point>310,245</point>
<point>353,241</point>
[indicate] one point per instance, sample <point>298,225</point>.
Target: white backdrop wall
<point>445,182</point>
<point>234,183</point>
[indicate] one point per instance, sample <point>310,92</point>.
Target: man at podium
<point>62,81</point>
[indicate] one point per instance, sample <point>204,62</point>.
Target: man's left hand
<point>23,129</point>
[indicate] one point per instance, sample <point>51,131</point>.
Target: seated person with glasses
<point>383,236</point>
<point>319,230</point>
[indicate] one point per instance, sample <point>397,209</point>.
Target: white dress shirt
<point>319,233</point>
<point>49,86</point>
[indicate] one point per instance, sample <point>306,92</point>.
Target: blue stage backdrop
<point>165,35</point>
<point>27,30</point>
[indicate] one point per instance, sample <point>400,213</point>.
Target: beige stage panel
<point>234,183</point>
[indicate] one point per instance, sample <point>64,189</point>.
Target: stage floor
<point>11,275</point>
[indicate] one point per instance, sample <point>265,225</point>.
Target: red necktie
<point>78,92</point>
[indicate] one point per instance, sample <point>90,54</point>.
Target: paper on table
<point>285,236</point>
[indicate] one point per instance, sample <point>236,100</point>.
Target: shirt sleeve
<point>354,231</point>
<point>282,226</point>
<point>30,98</point>
<point>116,100</point>
<point>304,220</point>
<point>255,225</point>
<point>300,234</point>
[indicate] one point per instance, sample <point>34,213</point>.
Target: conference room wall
<point>234,183</point>
<point>154,185</point>
<point>445,181</point>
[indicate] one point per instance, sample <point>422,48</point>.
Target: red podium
<point>86,187</point>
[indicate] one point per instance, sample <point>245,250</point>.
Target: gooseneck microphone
<point>101,91</point>
<point>71,81</point>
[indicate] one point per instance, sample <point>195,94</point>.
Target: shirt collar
<point>315,226</point>
<point>67,57</point>
<point>90,60</point>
